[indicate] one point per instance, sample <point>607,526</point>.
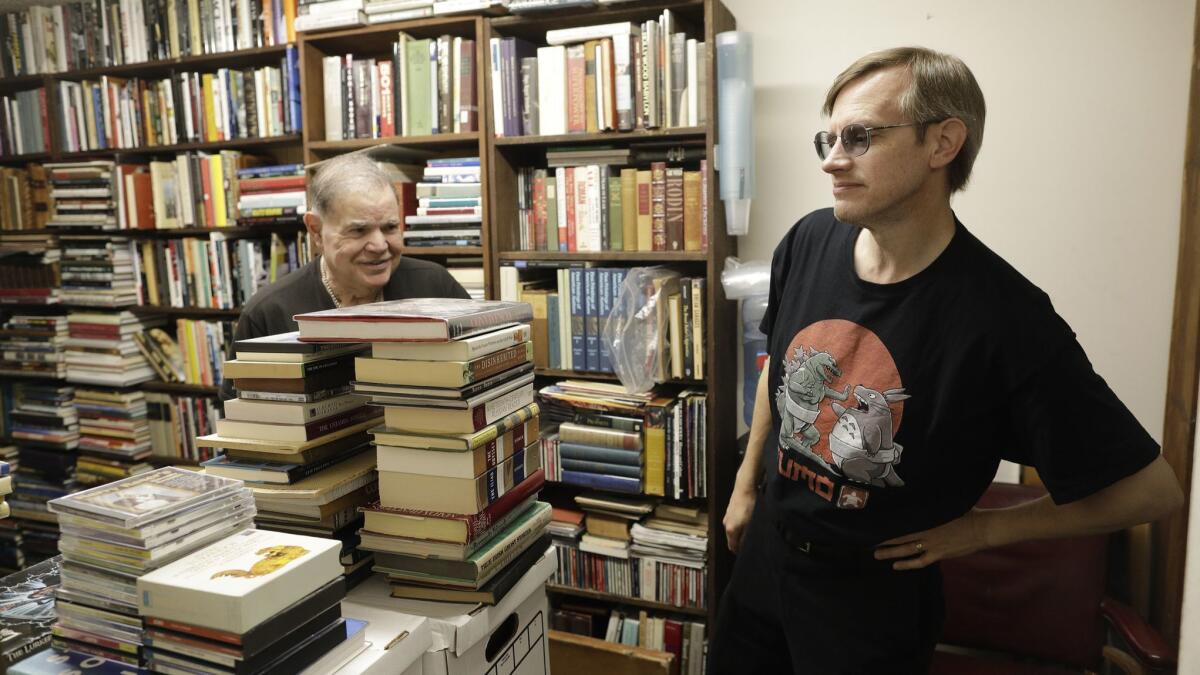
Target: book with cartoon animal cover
<point>137,500</point>
<point>240,581</point>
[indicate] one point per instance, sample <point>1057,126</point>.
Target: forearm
<point>1142,497</point>
<point>760,430</point>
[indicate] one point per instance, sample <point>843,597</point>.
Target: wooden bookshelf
<point>507,155</point>
<point>376,42</point>
<point>557,589</point>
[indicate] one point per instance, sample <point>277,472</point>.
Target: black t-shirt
<point>894,403</point>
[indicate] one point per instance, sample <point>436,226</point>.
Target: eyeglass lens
<point>856,138</point>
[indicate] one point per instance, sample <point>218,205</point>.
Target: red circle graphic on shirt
<point>862,359</point>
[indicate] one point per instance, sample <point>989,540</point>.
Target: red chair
<point>1039,608</point>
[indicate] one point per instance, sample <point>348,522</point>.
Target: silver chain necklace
<point>329,287</point>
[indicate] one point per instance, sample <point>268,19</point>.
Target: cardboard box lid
<point>395,641</point>
<point>459,626</point>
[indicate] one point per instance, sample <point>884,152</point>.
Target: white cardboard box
<point>475,639</point>
<point>396,642</point>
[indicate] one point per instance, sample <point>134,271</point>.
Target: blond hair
<point>940,86</point>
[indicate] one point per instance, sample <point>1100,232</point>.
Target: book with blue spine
<point>595,453</point>
<point>552,328</point>
<point>578,321</point>
<point>602,482</point>
<point>591,311</point>
<point>604,303</point>
<point>602,468</point>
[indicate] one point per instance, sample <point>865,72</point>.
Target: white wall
<point>1079,180</point>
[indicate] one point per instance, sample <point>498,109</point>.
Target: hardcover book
<point>27,610</point>
<point>241,581</point>
<point>411,320</point>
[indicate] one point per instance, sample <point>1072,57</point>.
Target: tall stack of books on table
<point>33,344</point>
<point>115,533</point>
<point>30,268</point>
<point>101,349</point>
<point>114,435</point>
<point>426,87</point>
<point>271,194</point>
<point>298,437</point>
<point>458,518</point>
<point>255,602</point>
<point>449,211</point>
<point>45,430</point>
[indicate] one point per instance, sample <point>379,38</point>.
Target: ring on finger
<point>920,547</point>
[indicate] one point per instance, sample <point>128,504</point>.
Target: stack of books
<point>298,437</point>
<point>114,435</point>
<point>44,427</point>
<point>254,602</point>
<point>468,272</point>
<point>115,533</point>
<point>607,77</point>
<point>672,550</point>
<point>98,271</point>
<point>32,344</point>
<point>26,196</point>
<point>101,348</point>
<point>385,11</point>
<point>458,458</point>
<point>317,15</point>
<point>83,194</point>
<point>268,195</point>
<point>12,558</point>
<point>449,211</point>
<point>30,271</point>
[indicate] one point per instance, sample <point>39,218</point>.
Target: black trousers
<point>788,611</point>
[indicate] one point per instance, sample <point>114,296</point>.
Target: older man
<point>907,359</point>
<point>354,220</point>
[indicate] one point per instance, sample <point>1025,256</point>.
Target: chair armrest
<point>1142,639</point>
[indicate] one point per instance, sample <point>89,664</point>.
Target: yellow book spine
<point>217,174</point>
<point>151,273</point>
<point>210,115</point>
<point>289,18</point>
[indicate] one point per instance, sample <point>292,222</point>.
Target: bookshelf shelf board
<point>607,256</point>
<point>241,58</point>
<point>186,312</point>
<point>29,157</point>
<point>674,133</point>
<point>621,599</point>
<point>30,376</point>
<point>41,231</point>
<point>606,377</point>
<point>567,17</point>
<point>418,251</point>
<point>379,37</point>
<point>432,140</point>
<point>20,83</point>
<point>181,388</point>
<point>232,144</point>
<point>236,231</point>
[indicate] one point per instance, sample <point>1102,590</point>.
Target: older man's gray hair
<point>344,175</point>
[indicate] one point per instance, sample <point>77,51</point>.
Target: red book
<point>673,642</point>
<point>143,200</point>
<point>539,210</point>
<point>477,524</point>
<point>271,184</point>
<point>45,119</point>
<point>468,112</point>
<point>406,195</point>
<point>576,90</point>
<point>567,192</point>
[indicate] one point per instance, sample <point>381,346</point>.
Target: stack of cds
<point>115,533</point>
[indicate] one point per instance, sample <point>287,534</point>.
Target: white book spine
<point>692,90</point>
<point>332,67</point>
<point>552,102</point>
<point>497,90</point>
<point>566,36</point>
<point>456,84</point>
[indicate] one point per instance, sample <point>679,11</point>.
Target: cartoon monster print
<point>798,399</point>
<point>274,559</point>
<point>861,440</point>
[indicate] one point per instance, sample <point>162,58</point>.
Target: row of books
<point>98,33</point>
<point>633,548</point>
<point>30,269</point>
<point>24,199</point>
<point>601,207</point>
<point>605,77</point>
<point>318,14</point>
<point>428,86</point>
<point>188,107</point>
<point>23,123</point>
<point>215,272</point>
<point>268,195</point>
<point>176,422</point>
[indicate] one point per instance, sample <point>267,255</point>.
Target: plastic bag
<point>631,329</point>
<point>743,279</point>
